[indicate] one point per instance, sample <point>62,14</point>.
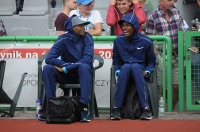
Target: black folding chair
<point>4,98</point>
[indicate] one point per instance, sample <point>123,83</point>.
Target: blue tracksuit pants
<point>135,71</point>
<point>83,76</point>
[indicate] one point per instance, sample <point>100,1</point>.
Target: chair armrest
<point>100,61</point>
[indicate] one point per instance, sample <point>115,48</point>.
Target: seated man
<point>75,50</point>
<point>133,56</point>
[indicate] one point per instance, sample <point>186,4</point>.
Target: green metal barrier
<point>167,40</point>
<point>188,91</point>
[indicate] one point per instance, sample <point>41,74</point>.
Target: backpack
<point>131,107</point>
<point>63,109</point>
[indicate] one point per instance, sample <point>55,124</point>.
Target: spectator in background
<point>63,16</point>
<point>197,12</point>
<point>118,8</point>
<point>19,5</point>
<point>147,9</point>
<point>133,56</point>
<point>86,13</point>
<point>160,23</point>
<point>2,29</point>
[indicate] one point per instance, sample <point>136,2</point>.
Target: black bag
<point>63,109</point>
<point>131,107</point>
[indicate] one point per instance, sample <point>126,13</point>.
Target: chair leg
<point>95,107</point>
<point>16,97</point>
<point>153,100</point>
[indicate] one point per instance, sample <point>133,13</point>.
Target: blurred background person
<point>2,29</point>
<point>68,5</point>
<point>147,9</point>
<point>118,8</point>
<point>86,13</point>
<point>160,23</point>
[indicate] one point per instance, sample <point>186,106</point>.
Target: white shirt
<point>94,17</point>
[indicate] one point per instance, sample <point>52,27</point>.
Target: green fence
<point>189,74</point>
<point>160,40</point>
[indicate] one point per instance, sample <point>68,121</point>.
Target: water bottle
<point>161,107</point>
<point>38,108</point>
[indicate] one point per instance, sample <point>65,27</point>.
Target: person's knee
<point>135,67</point>
<point>48,68</point>
<point>126,67</point>
<point>84,67</point>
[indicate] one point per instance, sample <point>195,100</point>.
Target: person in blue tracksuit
<point>133,56</point>
<point>70,60</point>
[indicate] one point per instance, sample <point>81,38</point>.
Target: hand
<point>116,75</point>
<point>194,28</point>
<point>113,2</point>
<point>58,68</point>
<point>194,49</point>
<point>144,73</point>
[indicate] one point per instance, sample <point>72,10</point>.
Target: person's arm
<point>139,12</point>
<point>54,53</point>
<point>116,58</point>
<point>58,33</point>
<point>88,53</point>
<point>97,31</point>
<point>111,18</point>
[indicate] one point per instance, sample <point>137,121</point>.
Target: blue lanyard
<point>86,26</point>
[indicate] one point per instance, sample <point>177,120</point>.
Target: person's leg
<point>49,77</point>
<point>175,84</point>
<point>122,82</point>
<point>86,79</point>
<point>136,72</point>
<point>141,87</point>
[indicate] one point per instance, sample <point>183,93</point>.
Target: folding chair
<point>4,98</point>
<point>74,87</point>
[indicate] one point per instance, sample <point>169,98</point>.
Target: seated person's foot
<point>146,114</point>
<point>197,102</point>
<point>85,115</point>
<point>42,117</point>
<point>115,114</point>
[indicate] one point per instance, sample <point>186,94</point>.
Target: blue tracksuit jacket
<point>132,55</point>
<point>76,53</point>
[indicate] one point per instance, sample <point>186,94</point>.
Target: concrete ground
<point>105,114</point>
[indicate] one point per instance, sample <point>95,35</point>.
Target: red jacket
<point>113,16</point>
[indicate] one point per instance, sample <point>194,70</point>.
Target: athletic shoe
<point>115,114</point>
<point>146,114</point>
<point>85,115</point>
<point>197,102</point>
<point>42,117</point>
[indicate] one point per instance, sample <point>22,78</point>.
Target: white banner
<point>22,57</point>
